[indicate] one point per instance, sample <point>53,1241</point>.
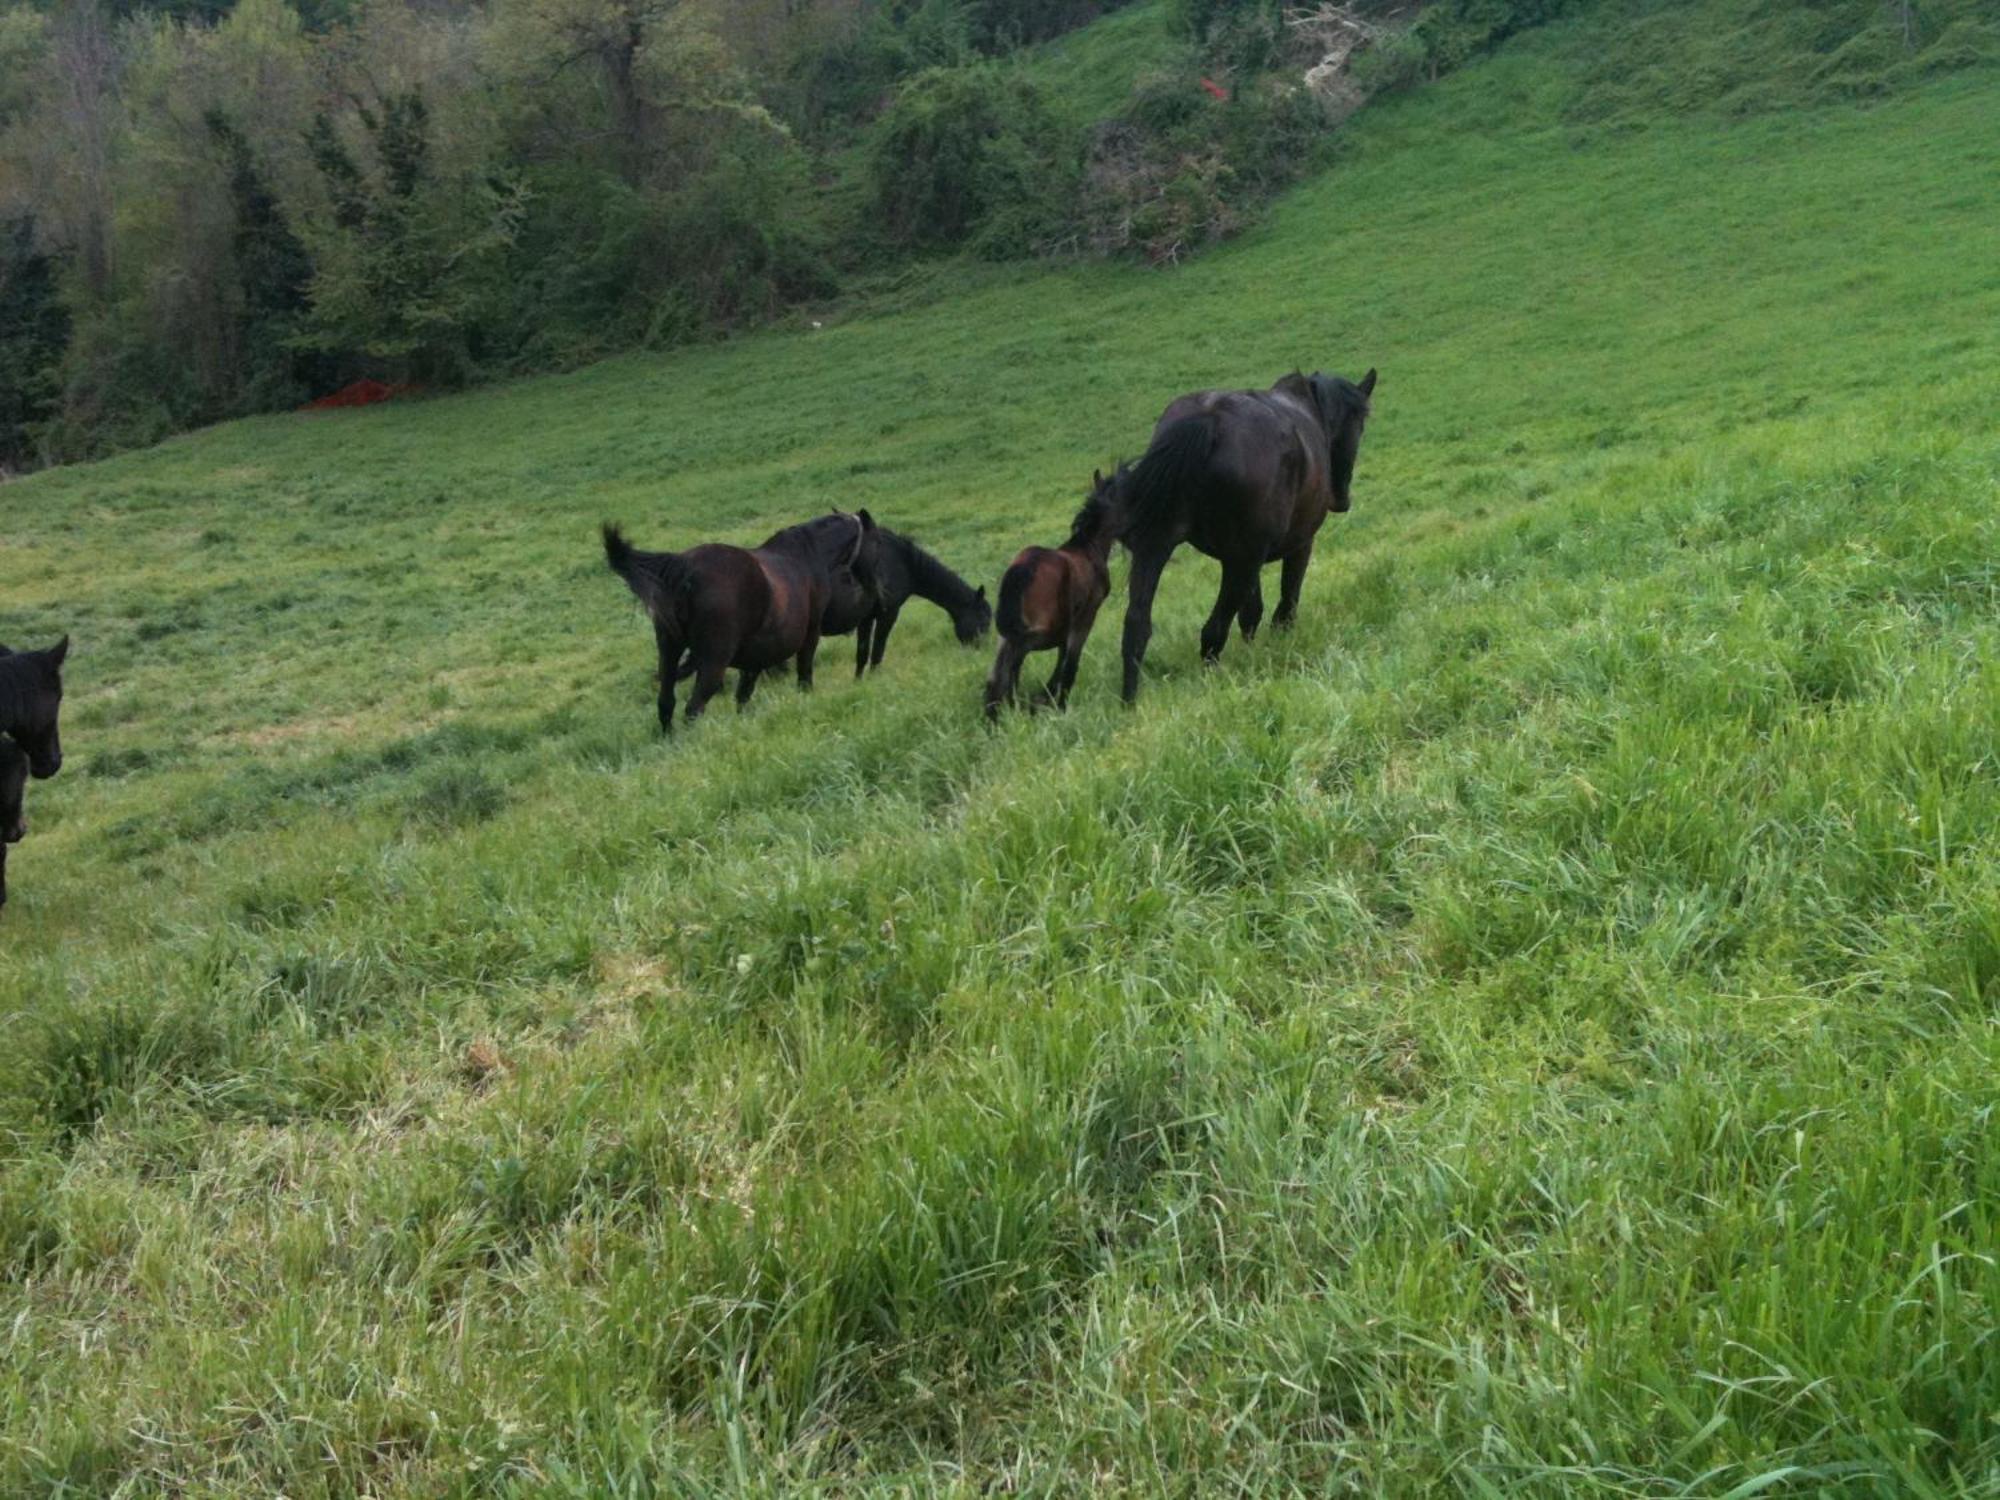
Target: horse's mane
<point>1105,510</point>
<point>1334,398</point>
<point>811,537</point>
<point>930,578</point>
<point>20,678</point>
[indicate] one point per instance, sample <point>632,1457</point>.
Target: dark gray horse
<point>891,571</point>
<point>30,703</point>
<point>1247,477</point>
<point>13,818</point>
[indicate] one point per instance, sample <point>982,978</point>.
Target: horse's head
<point>1107,513</point>
<point>37,693</point>
<point>973,619</point>
<point>1343,407</point>
<point>13,786</point>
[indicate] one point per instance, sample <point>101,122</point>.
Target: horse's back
<point>1256,488</point>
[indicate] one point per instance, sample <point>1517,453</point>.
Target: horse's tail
<point>650,575</point>
<point>1007,618</point>
<point>1162,483</point>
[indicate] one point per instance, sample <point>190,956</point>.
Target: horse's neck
<point>1344,450</point>
<point>1095,550</point>
<point>932,580</point>
<point>16,696</point>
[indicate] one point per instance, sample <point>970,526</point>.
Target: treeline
<point>209,209</point>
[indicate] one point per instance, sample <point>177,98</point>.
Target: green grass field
<point>1529,1031</point>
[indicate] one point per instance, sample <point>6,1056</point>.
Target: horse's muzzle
<point>16,831</point>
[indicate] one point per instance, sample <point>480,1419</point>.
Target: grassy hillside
<point>1530,1030</point>
<point>1089,73</point>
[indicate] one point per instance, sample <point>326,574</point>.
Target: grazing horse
<point>739,607</point>
<point>1247,477</point>
<point>890,570</point>
<point>30,702</point>
<point>1050,595</point>
<point>13,821</point>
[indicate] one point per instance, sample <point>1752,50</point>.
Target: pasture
<point>1529,1030</point>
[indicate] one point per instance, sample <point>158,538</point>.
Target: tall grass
<point>1528,1031</point>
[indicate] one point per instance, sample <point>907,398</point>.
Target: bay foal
<point>1049,597</point>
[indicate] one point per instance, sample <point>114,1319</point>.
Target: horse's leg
<point>3,874</point>
<point>1052,689</point>
<point>1079,633</point>
<point>863,634</point>
<point>1145,580</point>
<point>1238,578</point>
<point>1059,685</point>
<point>1252,613</point>
<point>746,683</point>
<point>1006,671</point>
<point>670,673</point>
<point>806,654</point>
<point>1292,580</point>
<point>883,626</point>
<point>711,666</point>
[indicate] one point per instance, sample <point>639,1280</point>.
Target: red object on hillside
<point>1215,89</point>
<point>360,393</point>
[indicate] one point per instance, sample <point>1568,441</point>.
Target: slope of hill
<point>1531,1029</point>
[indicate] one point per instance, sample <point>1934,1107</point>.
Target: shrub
<point>34,327</point>
<point>971,156</point>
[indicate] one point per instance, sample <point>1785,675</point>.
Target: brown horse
<point>1049,596</point>
<point>747,608</point>
<point>869,595</point>
<point>1247,477</point>
<point>13,790</point>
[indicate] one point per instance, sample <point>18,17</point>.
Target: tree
<point>34,328</point>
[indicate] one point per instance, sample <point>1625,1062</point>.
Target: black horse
<point>30,701</point>
<point>751,609</point>
<point>13,820</point>
<point>889,572</point>
<point>1247,477</point>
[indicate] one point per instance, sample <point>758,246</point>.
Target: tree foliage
<point>213,207</point>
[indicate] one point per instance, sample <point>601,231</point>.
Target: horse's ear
<point>980,592</point>
<point>1368,382</point>
<point>868,522</point>
<point>58,651</point>
<point>1097,479</point>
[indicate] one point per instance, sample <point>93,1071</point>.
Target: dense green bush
<point>34,326</point>
<point>740,242</point>
<point>996,25</point>
<point>970,156</point>
<point>1183,168</point>
<point>1236,35</point>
